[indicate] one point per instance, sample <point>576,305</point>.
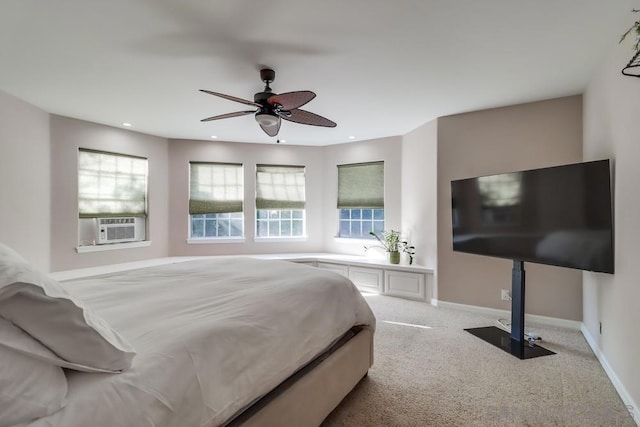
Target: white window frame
<point>283,191</point>
<point>360,187</point>
<point>217,239</point>
<point>279,221</point>
<point>361,221</point>
<point>215,220</point>
<point>111,183</point>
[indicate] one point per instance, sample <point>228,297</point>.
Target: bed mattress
<point>211,336</point>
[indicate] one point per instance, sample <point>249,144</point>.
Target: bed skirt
<point>308,397</point>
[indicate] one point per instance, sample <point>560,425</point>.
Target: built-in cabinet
<point>406,284</point>
<point>368,279</point>
<point>404,281</point>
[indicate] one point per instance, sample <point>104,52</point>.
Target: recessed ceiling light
<point>352,137</point>
<point>126,124</point>
<point>214,136</point>
<point>283,140</point>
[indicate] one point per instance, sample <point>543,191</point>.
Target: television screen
<point>559,215</point>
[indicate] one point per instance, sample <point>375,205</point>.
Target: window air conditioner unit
<point>117,230</point>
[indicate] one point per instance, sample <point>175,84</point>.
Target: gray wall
<point>612,130</point>
<point>67,136</point>
<point>519,137</point>
<point>24,180</point>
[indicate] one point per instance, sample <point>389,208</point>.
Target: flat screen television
<point>559,215</point>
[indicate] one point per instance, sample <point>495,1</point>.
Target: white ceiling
<point>379,68</point>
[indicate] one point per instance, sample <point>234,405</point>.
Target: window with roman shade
<point>361,185</point>
<point>215,188</point>
<point>216,194</point>
<point>111,184</point>
<point>360,199</point>
<point>280,201</point>
<point>280,187</point>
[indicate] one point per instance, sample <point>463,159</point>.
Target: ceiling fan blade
<point>231,98</point>
<point>228,115</point>
<point>272,130</point>
<point>307,118</point>
<point>291,100</point>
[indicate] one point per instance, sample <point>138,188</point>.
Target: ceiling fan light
<point>266,119</point>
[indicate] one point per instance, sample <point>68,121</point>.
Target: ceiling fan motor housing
<point>265,116</point>
<point>261,97</point>
<point>267,75</point>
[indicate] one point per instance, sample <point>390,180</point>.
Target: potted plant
<point>393,245</point>
<point>633,66</point>
<point>635,28</point>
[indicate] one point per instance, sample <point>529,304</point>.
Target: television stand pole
<point>514,343</point>
<point>517,301</point>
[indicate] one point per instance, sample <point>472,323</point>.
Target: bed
<point>212,342</point>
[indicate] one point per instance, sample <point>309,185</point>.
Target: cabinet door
<point>406,285</point>
<point>338,268</point>
<point>367,279</point>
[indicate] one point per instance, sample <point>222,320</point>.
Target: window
<point>217,225</point>
<point>357,223</point>
<point>111,185</point>
<point>360,199</point>
<point>280,201</point>
<point>216,194</point>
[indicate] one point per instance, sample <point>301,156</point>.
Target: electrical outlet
<point>505,295</point>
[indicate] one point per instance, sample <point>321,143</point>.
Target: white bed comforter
<point>211,336</point>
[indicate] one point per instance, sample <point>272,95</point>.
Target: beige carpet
<point>444,376</point>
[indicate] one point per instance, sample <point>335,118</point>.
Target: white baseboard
<point>506,314</point>
<point>617,384</point>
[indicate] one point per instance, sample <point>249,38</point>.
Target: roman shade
<point>280,187</point>
<point>361,185</point>
<point>111,184</point>
<point>215,188</point>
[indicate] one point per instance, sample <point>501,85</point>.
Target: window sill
<point>280,239</point>
<point>213,241</point>
<point>355,240</point>
<point>112,247</point>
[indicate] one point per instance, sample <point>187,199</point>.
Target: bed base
<point>307,399</point>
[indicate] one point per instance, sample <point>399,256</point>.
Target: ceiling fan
<point>271,107</point>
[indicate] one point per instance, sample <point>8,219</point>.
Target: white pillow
<point>29,388</point>
<point>18,341</point>
<point>38,305</point>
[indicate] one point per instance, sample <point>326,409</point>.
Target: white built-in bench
<point>399,280</point>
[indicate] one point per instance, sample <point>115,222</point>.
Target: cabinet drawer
<point>406,285</point>
<point>341,269</point>
<point>367,279</point>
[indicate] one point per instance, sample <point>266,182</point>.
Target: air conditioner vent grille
<point>117,230</point>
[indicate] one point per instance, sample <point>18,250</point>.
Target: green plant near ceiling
<point>633,67</point>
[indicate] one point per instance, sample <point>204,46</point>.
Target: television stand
<point>514,343</point>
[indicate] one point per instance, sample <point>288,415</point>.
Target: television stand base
<point>502,340</point>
